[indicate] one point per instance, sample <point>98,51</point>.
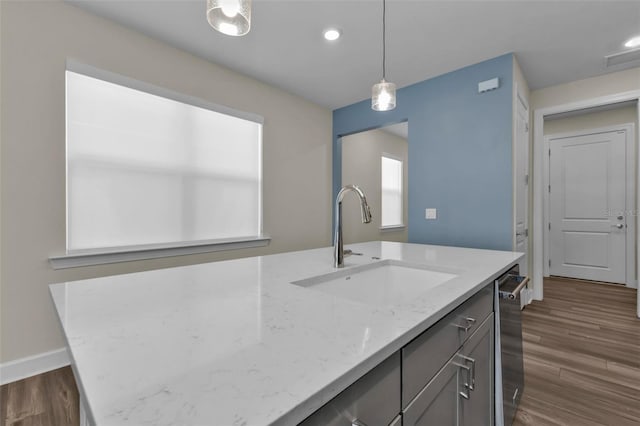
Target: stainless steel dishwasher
<point>509,286</point>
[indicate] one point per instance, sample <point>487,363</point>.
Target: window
<point>144,169</point>
<point>391,185</point>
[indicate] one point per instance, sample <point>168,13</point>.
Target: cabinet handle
<point>470,321</point>
<point>473,370</point>
<point>464,328</point>
<point>357,422</point>
<point>466,385</point>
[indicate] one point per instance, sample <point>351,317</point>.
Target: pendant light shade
<point>230,17</point>
<point>383,94</point>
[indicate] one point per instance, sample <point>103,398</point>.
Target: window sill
<point>392,228</point>
<point>79,258</point>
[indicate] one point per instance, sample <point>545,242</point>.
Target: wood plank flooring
<point>581,351</point>
<point>581,356</point>
<point>49,399</point>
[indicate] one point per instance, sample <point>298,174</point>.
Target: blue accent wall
<point>460,154</point>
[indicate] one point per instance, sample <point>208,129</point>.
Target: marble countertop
<point>235,343</point>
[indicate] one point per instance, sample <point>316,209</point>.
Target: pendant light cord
<point>384,39</point>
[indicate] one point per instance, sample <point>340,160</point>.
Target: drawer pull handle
<point>473,371</point>
<point>466,384</point>
<point>470,320</point>
<point>357,422</point>
<point>464,328</point>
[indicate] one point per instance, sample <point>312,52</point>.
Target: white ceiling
<point>554,41</point>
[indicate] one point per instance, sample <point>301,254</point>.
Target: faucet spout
<point>365,211</point>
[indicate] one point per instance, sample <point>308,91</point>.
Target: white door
<point>587,204</point>
<point>521,146</point>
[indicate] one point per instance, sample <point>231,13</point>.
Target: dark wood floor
<point>582,356</point>
<point>581,351</point>
<point>49,399</point>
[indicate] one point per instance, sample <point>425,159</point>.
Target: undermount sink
<point>384,283</point>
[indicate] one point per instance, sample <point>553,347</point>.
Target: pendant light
<point>230,17</point>
<point>383,94</point>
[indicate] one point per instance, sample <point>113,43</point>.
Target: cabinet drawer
<point>373,400</point>
<point>427,353</point>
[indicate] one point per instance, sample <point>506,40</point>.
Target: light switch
<point>430,214</point>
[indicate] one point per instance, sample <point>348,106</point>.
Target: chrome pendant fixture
<point>230,17</point>
<point>383,94</point>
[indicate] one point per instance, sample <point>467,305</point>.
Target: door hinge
<point>549,188</point>
<point>526,127</point>
<point>526,179</point>
<point>549,226</point>
<point>549,263</point>
<point>549,152</point>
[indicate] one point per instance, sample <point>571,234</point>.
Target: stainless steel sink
<point>384,283</point>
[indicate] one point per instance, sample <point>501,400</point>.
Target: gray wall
<point>460,154</point>
<point>37,38</point>
<point>361,166</point>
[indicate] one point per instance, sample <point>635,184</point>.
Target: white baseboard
<point>33,365</point>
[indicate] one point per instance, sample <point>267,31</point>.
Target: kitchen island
<point>237,343</point>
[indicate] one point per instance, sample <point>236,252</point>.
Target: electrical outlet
<point>430,214</point>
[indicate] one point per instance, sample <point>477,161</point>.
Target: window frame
<point>86,257</point>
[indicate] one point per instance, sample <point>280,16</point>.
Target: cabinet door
<point>439,402</point>
<point>477,353</point>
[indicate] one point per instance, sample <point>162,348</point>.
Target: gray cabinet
<point>477,410</point>
<point>438,403</point>
<point>397,421</point>
<point>461,394</point>
<point>426,354</point>
<point>446,377</point>
<point>447,371</point>
<point>372,400</point>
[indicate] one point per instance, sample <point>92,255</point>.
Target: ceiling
<point>554,41</point>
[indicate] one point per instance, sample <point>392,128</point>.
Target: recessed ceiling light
<point>332,34</point>
<point>633,42</point>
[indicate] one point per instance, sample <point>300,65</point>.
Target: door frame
<point>630,195</point>
<point>525,102</point>
<point>537,267</point>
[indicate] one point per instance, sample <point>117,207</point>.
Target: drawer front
<point>424,356</point>
<point>373,400</point>
<point>478,309</point>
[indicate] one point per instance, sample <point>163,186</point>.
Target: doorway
<point>376,160</point>
<point>589,197</point>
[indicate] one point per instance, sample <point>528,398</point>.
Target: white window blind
<point>391,185</point>
<point>144,169</point>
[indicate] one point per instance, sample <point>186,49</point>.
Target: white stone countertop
<point>235,343</point>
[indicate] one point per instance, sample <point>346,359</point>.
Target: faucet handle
<point>349,252</point>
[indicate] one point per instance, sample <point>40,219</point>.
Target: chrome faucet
<point>338,249</point>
